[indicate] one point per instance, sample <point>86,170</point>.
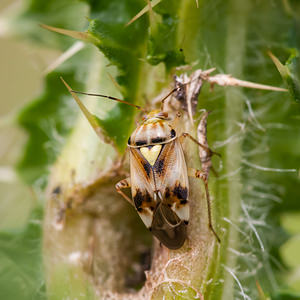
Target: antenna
<point>169,94</point>
<point>108,97</point>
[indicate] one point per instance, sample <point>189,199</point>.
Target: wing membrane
<point>142,186</point>
<point>171,178</point>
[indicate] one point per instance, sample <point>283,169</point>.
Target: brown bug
<point>158,174</point>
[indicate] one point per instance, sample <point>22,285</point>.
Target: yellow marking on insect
<point>151,154</point>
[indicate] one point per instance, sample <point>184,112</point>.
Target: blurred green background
<point>21,76</point>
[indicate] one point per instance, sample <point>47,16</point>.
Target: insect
<point>158,174</point>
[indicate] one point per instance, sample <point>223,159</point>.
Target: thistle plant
<point>88,242</point>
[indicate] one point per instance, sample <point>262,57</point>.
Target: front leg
<point>123,184</point>
<point>202,175</point>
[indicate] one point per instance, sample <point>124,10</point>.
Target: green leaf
<point>68,14</point>
<point>290,221</point>
<point>124,47</point>
<point>289,252</point>
<point>286,295</point>
<point>21,275</point>
<point>289,72</point>
<point>162,43</point>
<point>48,120</point>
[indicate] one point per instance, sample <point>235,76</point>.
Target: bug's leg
<point>202,175</point>
<point>207,149</point>
<point>123,184</point>
<point>205,157</point>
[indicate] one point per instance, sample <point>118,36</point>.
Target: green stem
<point>189,30</point>
<point>234,107</point>
<point>104,235</point>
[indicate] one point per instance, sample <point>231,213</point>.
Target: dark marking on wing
<point>143,200</point>
<point>159,166</point>
<point>138,199</point>
<point>177,195</point>
<point>180,192</point>
<point>129,141</point>
<point>147,168</point>
<point>167,193</point>
<point>147,197</point>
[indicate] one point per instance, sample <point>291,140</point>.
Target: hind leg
<point>200,174</point>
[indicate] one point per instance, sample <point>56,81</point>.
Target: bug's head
<point>155,116</point>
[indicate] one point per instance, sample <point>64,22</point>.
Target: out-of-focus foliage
<point>162,43</point>
<point>47,119</point>
<point>267,128</point>
<point>21,273</point>
<point>290,72</point>
<point>65,14</point>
